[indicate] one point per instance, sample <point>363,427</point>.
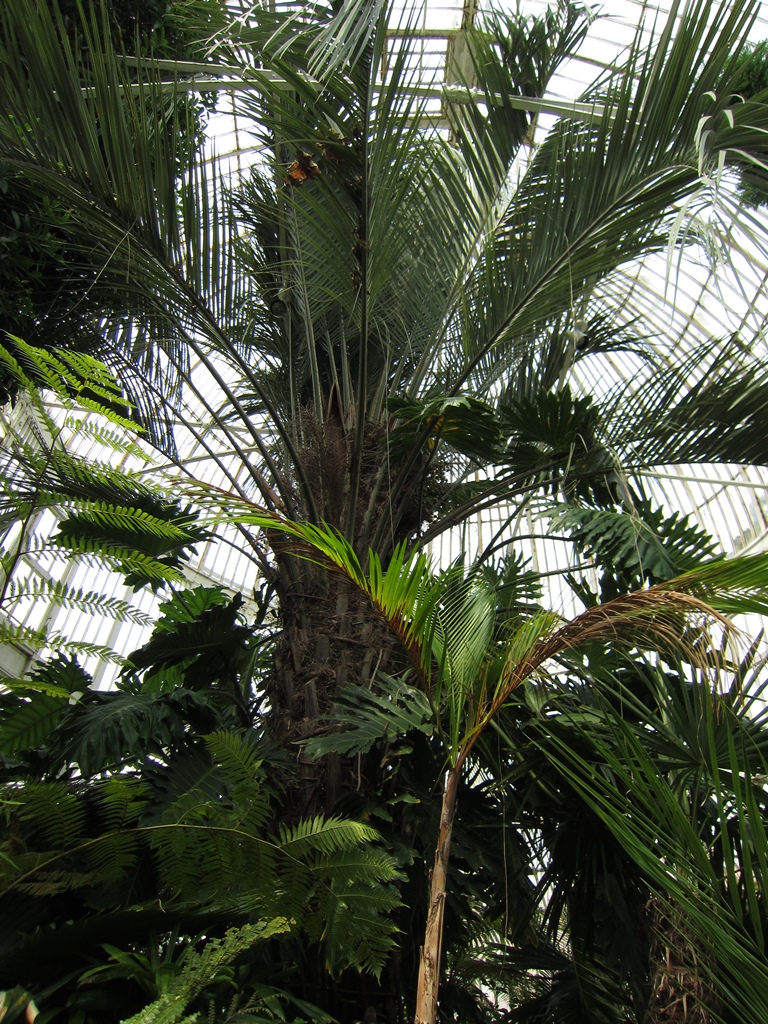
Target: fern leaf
<point>38,686</point>
<point>240,759</point>
<point>122,801</point>
<point>75,378</point>
<point>200,969</point>
<point>40,588</point>
<point>351,921</point>
<point>28,724</point>
<point>54,811</point>
<point>366,865</point>
<point>112,859</point>
<point>51,883</point>
<point>120,559</point>
<point>324,836</point>
<point>13,634</point>
<point>115,440</point>
<point>117,518</point>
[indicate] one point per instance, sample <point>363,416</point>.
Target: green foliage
<point>641,546</point>
<point>57,593</point>
<point>680,850</point>
<point>33,251</point>
<point>108,730</point>
<point>203,633</point>
<point>751,79</point>
<point>464,424</point>
<point>201,969</point>
<point>556,439</point>
<point>390,277</point>
<point>45,294</point>
<point>146,542</point>
<point>751,70</point>
<point>110,515</point>
<point>118,846</point>
<point>30,721</point>
<point>361,717</point>
<point>191,832</point>
<point>148,25</point>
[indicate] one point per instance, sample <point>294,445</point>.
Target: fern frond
<point>240,763</point>
<point>30,721</point>
<point>240,759</point>
<point>122,801</point>
<point>16,371</point>
<point>90,478</point>
<point>116,517</point>
<point>32,544</point>
<point>119,559</point>
<point>63,644</point>
<point>361,866</point>
<point>200,969</point>
<point>113,858</point>
<point>74,377</point>
<point>187,771</point>
<point>40,588</point>
<point>54,812</point>
<point>51,883</point>
<point>21,686</point>
<point>351,922</point>
<point>116,440</point>
<point>323,836</point>
<point>10,633</point>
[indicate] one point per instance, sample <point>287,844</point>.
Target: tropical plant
<point>469,655</point>
<point>42,295</point>
<point>471,663</point>
<point>377,325</point>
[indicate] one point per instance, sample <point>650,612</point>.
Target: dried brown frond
<point>664,621</point>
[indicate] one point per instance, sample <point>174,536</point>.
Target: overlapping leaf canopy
<point>405,308</point>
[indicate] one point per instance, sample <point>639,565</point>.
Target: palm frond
<point>677,864</point>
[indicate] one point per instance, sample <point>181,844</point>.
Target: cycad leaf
<point>386,711</point>
<point>322,836</point>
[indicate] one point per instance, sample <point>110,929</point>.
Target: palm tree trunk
<point>429,958</point>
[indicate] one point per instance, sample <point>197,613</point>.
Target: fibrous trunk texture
<point>331,636</point>
<point>682,990</point>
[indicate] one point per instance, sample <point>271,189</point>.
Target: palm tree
<point>472,657</point>
<point>586,753</point>
<point>375,324</point>
<point>370,328</point>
